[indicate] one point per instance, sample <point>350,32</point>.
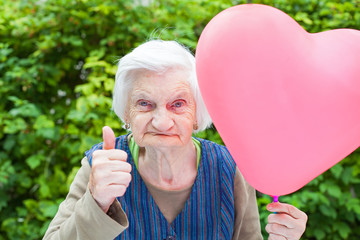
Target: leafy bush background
<point>57,65</point>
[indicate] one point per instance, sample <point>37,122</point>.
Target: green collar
<point>134,149</point>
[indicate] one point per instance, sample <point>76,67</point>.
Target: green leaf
<point>328,211</point>
<point>347,175</point>
<point>319,234</point>
<point>43,121</point>
<point>76,116</point>
<point>343,229</point>
<point>30,204</point>
<point>34,161</point>
<point>44,190</point>
<point>71,176</point>
<point>48,208</point>
<point>10,142</point>
<point>334,191</point>
<point>27,110</point>
<point>14,126</point>
<point>337,170</point>
<point>3,200</point>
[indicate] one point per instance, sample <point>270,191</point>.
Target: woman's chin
<point>162,140</point>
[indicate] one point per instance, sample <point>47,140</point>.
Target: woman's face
<point>161,109</point>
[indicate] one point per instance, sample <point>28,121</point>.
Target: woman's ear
<point>126,120</point>
<point>195,123</point>
<point>126,115</point>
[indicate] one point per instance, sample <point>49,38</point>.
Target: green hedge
<point>57,66</point>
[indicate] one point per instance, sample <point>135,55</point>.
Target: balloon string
<point>275,199</point>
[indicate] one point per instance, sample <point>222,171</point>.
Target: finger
<point>121,179</point>
<point>118,190</point>
<point>114,178</point>
<point>283,219</point>
<point>286,208</point>
<point>108,138</point>
<point>122,167</point>
<point>278,230</point>
<point>111,154</point>
<point>111,166</point>
<point>276,237</point>
<point>108,192</point>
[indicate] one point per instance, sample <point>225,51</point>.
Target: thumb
<point>108,138</point>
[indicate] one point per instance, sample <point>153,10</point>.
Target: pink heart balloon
<point>285,102</point>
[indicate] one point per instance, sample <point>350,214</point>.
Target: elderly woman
<point>159,182</point>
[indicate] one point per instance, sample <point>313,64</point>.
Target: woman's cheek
<point>190,113</point>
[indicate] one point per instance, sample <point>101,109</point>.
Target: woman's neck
<point>168,168</point>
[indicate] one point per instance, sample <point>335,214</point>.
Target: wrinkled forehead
<point>171,79</point>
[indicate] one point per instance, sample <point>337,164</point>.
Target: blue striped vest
<point>208,213</point>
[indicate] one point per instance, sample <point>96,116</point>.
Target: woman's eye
<point>144,105</point>
<point>178,104</point>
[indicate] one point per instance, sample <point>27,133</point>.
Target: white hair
<point>157,56</point>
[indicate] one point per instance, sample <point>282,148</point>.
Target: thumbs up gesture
<point>110,173</point>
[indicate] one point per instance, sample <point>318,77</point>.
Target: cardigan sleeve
<point>79,216</point>
<point>247,223</point>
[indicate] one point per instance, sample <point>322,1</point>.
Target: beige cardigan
<point>79,216</point>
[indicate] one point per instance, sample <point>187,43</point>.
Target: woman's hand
<point>110,173</point>
<point>288,223</point>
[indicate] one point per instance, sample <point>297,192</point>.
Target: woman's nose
<point>162,120</point>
